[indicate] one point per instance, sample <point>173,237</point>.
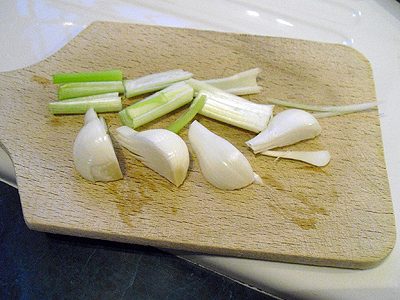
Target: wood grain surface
<point>340,215</point>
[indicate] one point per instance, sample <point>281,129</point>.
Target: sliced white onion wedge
<point>316,158</point>
<point>286,128</point>
<point>93,152</point>
<point>221,163</point>
<point>159,149</point>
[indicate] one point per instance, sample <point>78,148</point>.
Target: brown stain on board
<point>55,121</point>
<point>133,193</point>
<point>312,207</point>
<point>304,218</point>
<point>305,223</point>
<point>299,209</point>
<point>130,195</point>
<point>41,80</point>
<point>131,198</point>
<point>312,214</point>
<point>314,169</point>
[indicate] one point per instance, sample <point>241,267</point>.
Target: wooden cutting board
<point>340,215</point>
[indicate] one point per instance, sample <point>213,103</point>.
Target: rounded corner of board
<point>29,221</point>
<point>377,258</point>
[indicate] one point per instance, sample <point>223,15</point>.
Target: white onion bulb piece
<point>316,158</point>
<point>221,163</point>
<point>93,152</point>
<point>159,149</point>
<point>90,115</point>
<point>286,128</point>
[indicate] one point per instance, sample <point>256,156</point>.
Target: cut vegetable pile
<point>163,150</point>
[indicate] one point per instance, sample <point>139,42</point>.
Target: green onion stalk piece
<point>328,114</point>
<point>243,83</point>
<point>188,116</point>
<point>82,89</point>
<point>109,102</point>
<point>154,82</point>
<point>157,105</point>
<point>326,110</point>
<point>232,109</point>
<point>111,75</point>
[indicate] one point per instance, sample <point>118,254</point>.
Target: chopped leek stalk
<point>188,116</point>
<point>154,82</point>
<point>232,109</point>
<point>339,109</point>
<point>81,89</point>
<point>111,75</point>
<point>243,83</point>
<point>110,102</point>
<point>327,114</point>
<point>157,105</point>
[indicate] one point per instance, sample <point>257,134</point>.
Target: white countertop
<point>32,30</point>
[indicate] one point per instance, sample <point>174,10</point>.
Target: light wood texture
<point>340,215</point>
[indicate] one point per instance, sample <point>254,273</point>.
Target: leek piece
<point>326,108</point>
<point>81,89</point>
<point>232,109</point>
<point>154,82</point>
<point>111,75</point>
<point>157,105</point>
<point>125,118</point>
<point>100,103</point>
<point>188,116</point>
<point>327,114</point>
<point>243,83</point>
<point>158,99</point>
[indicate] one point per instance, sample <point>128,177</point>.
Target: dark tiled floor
<point>35,265</point>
